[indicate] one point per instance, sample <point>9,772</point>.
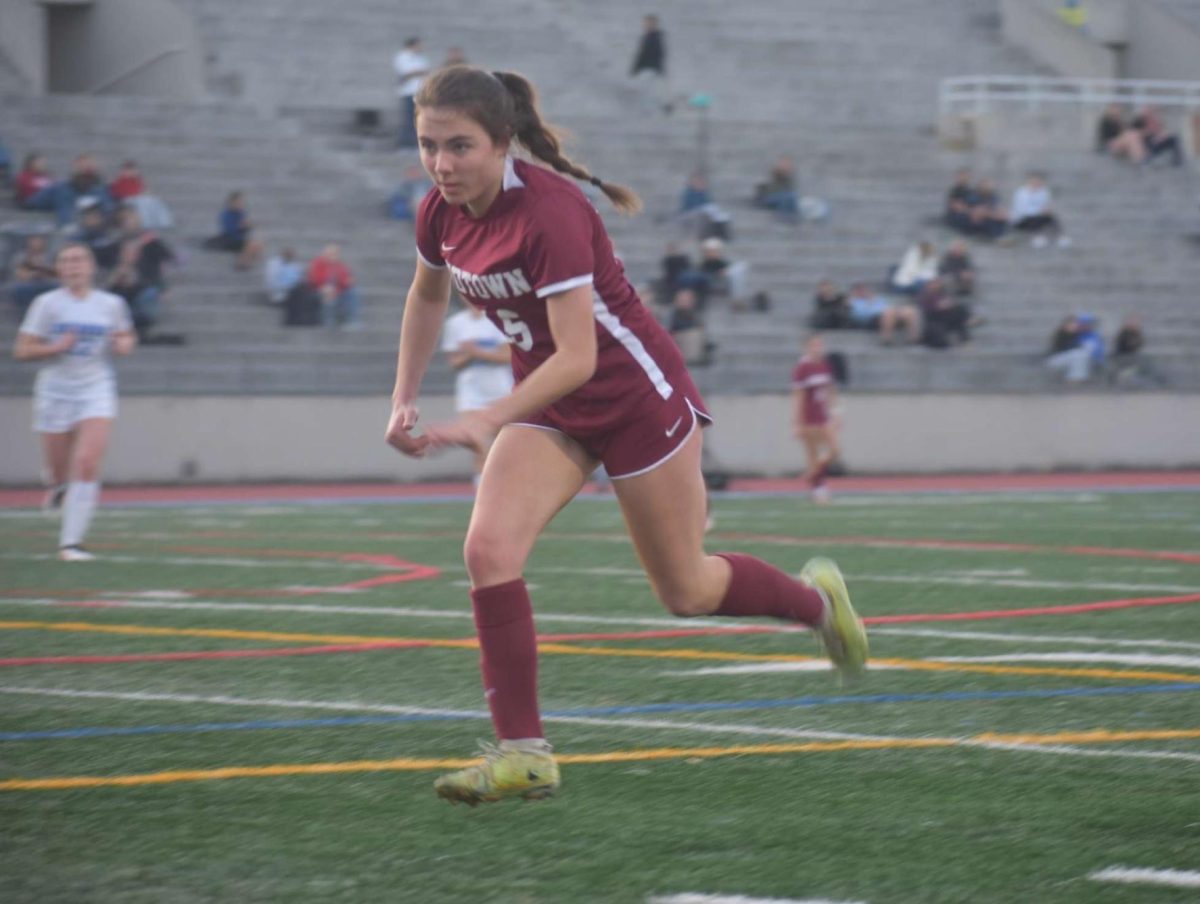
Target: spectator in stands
<point>957,269</point>
<point>779,192</point>
<point>1110,127</point>
<point>687,328</point>
<point>34,187</point>
<point>1032,212</point>
<point>724,277</point>
<point>283,273</point>
<point>960,203</point>
<point>650,64</point>
<point>33,274</point>
<point>411,67</point>
<point>139,276</point>
<point>989,219</point>
<point>1129,364</point>
<point>871,310</point>
<point>236,232</point>
<point>128,183</point>
<point>1068,355</point>
<point>1074,14</point>
<point>84,184</point>
<point>695,196</point>
<point>92,229</point>
<point>5,164</point>
<point>830,310</point>
<point>947,320</point>
<point>918,266</point>
<point>1155,137</point>
<point>409,193</point>
<point>675,263</point>
<point>330,276</point>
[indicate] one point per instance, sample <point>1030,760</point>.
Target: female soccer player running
<point>73,330</point>
<point>598,381</point>
<point>814,394</point>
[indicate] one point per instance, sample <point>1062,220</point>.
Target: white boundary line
<point>1174,878</point>
<point>663,724</point>
<point>1082,640</point>
<point>694,898</point>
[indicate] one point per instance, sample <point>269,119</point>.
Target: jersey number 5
<point>516,328</point>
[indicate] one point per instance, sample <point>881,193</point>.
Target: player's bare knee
<point>87,469</point>
<point>490,558</point>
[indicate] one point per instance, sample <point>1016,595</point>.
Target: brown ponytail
<point>505,104</point>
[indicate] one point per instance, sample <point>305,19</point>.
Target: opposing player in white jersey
<point>598,381</point>
<point>73,331</point>
<point>480,355</point>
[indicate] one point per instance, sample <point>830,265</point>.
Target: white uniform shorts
<point>55,415</point>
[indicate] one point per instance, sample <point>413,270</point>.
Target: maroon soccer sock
<point>756,588</point>
<point>508,658</point>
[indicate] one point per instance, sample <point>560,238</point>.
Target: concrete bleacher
<point>848,89</point>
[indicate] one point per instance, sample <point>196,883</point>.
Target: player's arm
<point>424,313</point>
<point>797,410</point>
<point>573,328</point>
<point>32,347</point>
<point>123,342</point>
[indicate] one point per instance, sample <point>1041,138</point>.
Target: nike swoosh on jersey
<point>446,247</point>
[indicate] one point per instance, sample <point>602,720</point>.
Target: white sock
<point>78,507</point>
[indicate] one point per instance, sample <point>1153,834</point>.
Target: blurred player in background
<point>480,356</point>
<point>597,381</point>
<point>814,396</point>
<point>73,331</point>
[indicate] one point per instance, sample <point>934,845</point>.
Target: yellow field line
<point>1101,736</point>
<point>574,650</point>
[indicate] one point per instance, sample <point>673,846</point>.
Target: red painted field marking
<point>216,654</point>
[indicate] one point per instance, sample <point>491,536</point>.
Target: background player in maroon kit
<point>598,381</point>
<point>814,393</point>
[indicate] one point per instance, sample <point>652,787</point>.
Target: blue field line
<point>592,712</point>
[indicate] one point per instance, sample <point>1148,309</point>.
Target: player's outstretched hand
<point>399,431</point>
<point>471,430</point>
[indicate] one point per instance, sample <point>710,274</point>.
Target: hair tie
<point>596,182</point>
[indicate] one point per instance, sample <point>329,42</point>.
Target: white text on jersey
<point>509,284</point>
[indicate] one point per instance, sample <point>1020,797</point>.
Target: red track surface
<point>970,483</point>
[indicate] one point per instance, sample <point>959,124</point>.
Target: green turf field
<point>993,760</point>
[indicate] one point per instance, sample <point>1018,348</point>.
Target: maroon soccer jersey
<point>539,238</point>
<point>813,378</point>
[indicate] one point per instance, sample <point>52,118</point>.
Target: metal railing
<point>974,94</point>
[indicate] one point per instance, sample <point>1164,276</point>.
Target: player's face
<point>76,267</point>
<point>460,157</point>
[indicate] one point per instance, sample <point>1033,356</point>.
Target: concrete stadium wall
<point>214,439</point>
<point>1161,46</point>
<point>23,39</point>
<point>1033,26</point>
<point>140,47</point>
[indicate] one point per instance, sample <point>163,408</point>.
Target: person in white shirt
<point>480,355</point>
<point>1031,212</point>
<point>918,266</point>
<point>73,331</point>
<point>411,68</point>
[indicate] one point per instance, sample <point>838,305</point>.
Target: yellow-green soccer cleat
<point>504,773</point>
<point>841,631</point>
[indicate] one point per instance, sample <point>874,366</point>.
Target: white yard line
<point>1150,659</point>
<point>1173,878</point>
<point>696,898</point>
<point>660,724</point>
<point>279,562</point>
<point>1081,640</point>
<point>1026,583</point>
